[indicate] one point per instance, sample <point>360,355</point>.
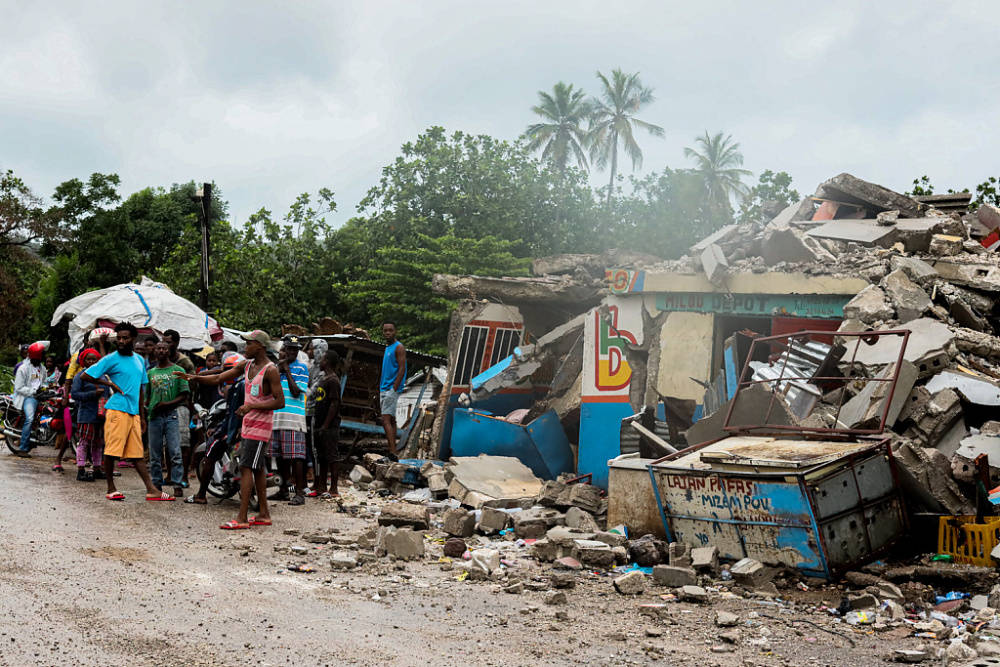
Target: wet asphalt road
<point>92,582</point>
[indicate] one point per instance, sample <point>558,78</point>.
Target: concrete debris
<point>360,475</point>
<point>705,560</point>
<point>866,409</point>
<point>648,551</point>
<point>400,543</point>
<point>692,593</point>
<point>631,583</point>
<point>500,481</point>
<point>910,300</point>
<point>875,198</point>
<point>792,246</point>
<point>679,554</point>
<point>674,577</point>
<point>581,520</point>
<point>405,515</point>
<point>869,306</point>
<point>459,522</point>
<point>750,573</point>
<point>945,246</point>
<point>925,474</point>
<point>492,521</point>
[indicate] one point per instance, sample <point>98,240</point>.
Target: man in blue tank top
<point>393,375</point>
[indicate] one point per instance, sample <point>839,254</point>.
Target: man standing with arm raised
<point>393,375</point>
<point>125,417</point>
<point>263,395</point>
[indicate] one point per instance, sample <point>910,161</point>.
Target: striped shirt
<point>257,424</point>
<point>292,417</point>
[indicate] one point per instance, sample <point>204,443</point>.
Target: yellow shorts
<point>122,435</point>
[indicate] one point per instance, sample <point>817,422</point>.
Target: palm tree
<point>565,109</point>
<point>720,165</point>
<point>613,118</point>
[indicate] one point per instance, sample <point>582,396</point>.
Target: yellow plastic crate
<point>968,542</point>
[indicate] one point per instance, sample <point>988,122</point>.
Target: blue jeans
<point>28,409</point>
<point>165,428</point>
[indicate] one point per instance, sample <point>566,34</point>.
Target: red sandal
<point>234,525</point>
<point>254,521</point>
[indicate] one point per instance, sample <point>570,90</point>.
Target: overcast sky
<point>273,99</point>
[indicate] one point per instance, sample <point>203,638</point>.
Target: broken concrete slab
<point>916,233</point>
<point>535,522</point>
<point>705,559</point>
<point>751,405</point>
<point>539,290</point>
<point>715,237</point>
<point>974,388</point>
<point>402,543</point>
<point>917,269</point>
<point>945,246</point>
<point>492,520</point>
<point>978,275</point>
<point>405,515</point>
<point>673,576</point>
<point>865,410</point>
<point>866,233</point>
<point>800,210</point>
<point>870,305</point>
<point>851,189</point>
<point>963,467</point>
<point>924,474</point>
<point>458,522</point>
<point>581,520</point>
<point>631,583</point>
<point>791,245</point>
<point>750,573</point>
<point>910,300</point>
<point>714,263</point>
<point>926,336</point>
<point>480,479</point>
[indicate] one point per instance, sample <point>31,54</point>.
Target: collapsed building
<point>631,370</point>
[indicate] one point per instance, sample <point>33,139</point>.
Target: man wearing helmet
<point>27,382</point>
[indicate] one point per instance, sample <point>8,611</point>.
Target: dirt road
<point>91,582</point>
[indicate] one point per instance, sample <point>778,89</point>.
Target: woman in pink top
<point>263,397</point>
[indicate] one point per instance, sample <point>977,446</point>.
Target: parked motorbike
<point>48,421</point>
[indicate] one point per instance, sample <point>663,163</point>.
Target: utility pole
<point>205,196</point>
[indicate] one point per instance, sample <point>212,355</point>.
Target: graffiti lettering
<point>613,370</point>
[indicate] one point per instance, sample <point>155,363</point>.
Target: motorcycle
<point>48,421</point>
<point>225,479</point>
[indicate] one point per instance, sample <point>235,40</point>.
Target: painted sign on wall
<point>605,384</point>
<point>827,306</point>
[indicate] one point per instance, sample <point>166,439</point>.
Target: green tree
<point>921,187</point>
<point>613,121</point>
<point>397,286</point>
<point>473,187</point>
<point>773,192</point>
<point>564,111</point>
<point>720,164</point>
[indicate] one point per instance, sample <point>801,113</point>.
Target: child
<point>88,435</point>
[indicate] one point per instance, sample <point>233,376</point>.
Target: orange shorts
<point>122,435</point>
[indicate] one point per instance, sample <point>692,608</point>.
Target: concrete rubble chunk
<point>585,496</point>
<point>963,467</point>
<point>693,594</point>
<point>594,553</point>
<point>611,539</point>
<point>865,410</point>
<point>401,543</point>
<point>870,305</point>
<point>631,583</point>
<point>791,245</point>
<point>454,547</point>
<point>674,577</point>
<point>910,300</point>
<point>485,560</point>
<point>865,233</point>
<point>973,388</point>
<point>718,236</point>
<point>714,263</point>
<point>405,514</point>
<point>889,591</point>
<point>800,210</point>
<point>853,190</point>
<point>925,477</point>
<point>705,559</point>
<point>533,523</point>
<point>459,522</point>
<point>751,404</point>
<point>492,521</point>
<point>647,551</point>
<point>344,560</point>
<point>943,245</point>
<point>726,619</point>
<point>750,573</point>
<point>548,494</point>
<point>926,336</point>
<point>477,479</point>
<point>864,601</point>
<point>679,554</point>
<point>581,520</point>
<point>360,475</point>
<point>917,269</point>
<point>910,655</point>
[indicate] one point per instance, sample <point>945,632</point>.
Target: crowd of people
<point>129,399</point>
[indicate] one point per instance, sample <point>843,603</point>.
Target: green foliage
<point>772,192</point>
<point>23,220</point>
<point>566,110</point>
<point>719,161</point>
<point>398,284</point>
<point>473,186</point>
<point>921,186</point>
<point>987,192</point>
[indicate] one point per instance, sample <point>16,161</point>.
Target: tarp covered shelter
<point>147,305</point>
